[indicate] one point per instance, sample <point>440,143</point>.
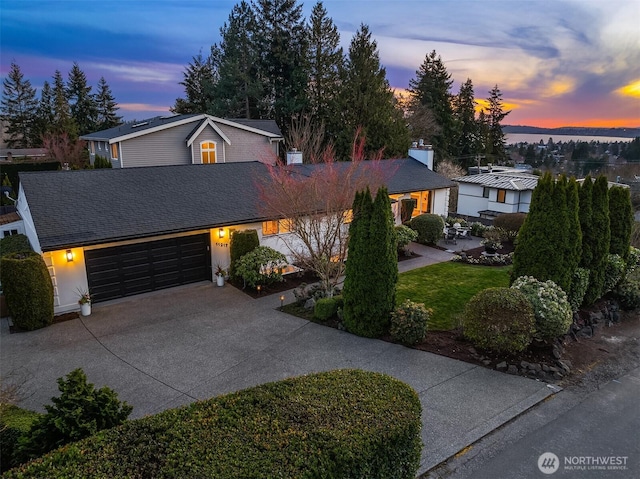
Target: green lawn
<point>447,287</point>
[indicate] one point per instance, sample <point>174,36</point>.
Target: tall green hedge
<point>620,221</point>
<point>242,242</point>
<point>585,214</point>
<point>28,290</point>
<point>600,238</point>
<point>338,424</point>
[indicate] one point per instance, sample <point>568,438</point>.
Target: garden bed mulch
<point>291,281</point>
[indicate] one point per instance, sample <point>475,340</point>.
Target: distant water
<point>536,137</point>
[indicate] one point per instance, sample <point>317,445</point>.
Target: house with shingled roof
<point>186,140</point>
<point>125,231</point>
<point>488,195</point>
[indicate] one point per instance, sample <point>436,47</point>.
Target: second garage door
<point>137,268</point>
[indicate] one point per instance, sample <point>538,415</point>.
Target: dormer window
<point>208,152</point>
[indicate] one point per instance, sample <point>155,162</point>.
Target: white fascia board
<point>166,126</point>
<point>244,127</point>
<point>22,207</point>
<point>202,127</point>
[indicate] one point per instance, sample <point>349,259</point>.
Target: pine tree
<point>559,270</point>
<point>325,60</point>
<point>62,119</point>
<point>282,45</point>
<point>601,238</point>
<point>620,221</point>
<point>431,89</point>
<point>239,87</point>
<point>199,80</point>
<point>464,109</point>
<point>18,108</point>
<point>82,103</point>
<point>355,291</point>
<point>44,115</point>
<point>496,143</point>
<point>367,101</point>
<point>107,107</point>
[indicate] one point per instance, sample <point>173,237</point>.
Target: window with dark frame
<point>485,192</point>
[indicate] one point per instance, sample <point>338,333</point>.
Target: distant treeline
<point>574,130</point>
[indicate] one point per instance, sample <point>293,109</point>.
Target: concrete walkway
<point>169,348</point>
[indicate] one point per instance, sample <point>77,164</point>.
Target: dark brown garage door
<point>138,268</point>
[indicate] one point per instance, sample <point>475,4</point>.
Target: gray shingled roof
<point>86,207</point>
<point>265,125</point>
<point>503,181</point>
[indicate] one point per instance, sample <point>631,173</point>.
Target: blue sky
<point>557,62</point>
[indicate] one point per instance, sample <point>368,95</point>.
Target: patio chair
<point>450,236</point>
<point>464,234</point>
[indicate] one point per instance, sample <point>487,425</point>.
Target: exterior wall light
<point>221,233</point>
<point>69,255</point>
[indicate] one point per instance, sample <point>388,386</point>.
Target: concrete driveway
<point>169,348</point>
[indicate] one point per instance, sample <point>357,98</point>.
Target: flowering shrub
<point>499,319</point>
<point>492,238</point>
<point>613,273</point>
<point>550,306</point>
<point>497,260</point>
<point>579,285</point>
<point>477,229</point>
<point>263,265</point>
<point>409,322</point>
<point>633,261</point>
<point>405,235</point>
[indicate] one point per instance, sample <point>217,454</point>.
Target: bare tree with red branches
<point>60,147</point>
<point>314,202</point>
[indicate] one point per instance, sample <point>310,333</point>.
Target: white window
<point>208,152</point>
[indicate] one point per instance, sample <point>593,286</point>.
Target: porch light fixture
<point>221,233</point>
<point>69,255</point>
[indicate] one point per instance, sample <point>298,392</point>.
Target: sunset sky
<point>557,62</point>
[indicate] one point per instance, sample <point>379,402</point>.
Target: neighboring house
<point>488,195</point>
<point>186,140</point>
<point>10,222</point>
<point>32,154</point>
<point>100,229</point>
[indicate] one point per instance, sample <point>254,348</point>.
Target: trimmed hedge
<point>242,242</point>
<point>14,244</point>
<point>499,319</point>
<point>326,308</point>
<point>14,423</point>
<point>28,290</point>
<point>510,221</point>
<point>429,228</point>
<point>346,423</point>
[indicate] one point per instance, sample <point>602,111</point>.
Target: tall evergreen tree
<point>18,108</point>
<point>560,273</point>
<point>62,120</point>
<point>539,250</point>
<point>586,226</point>
<point>431,89</point>
<point>574,234</point>
<point>107,107</point>
<point>367,101</point>
<point>239,87</point>
<point>198,82</point>
<point>496,142</point>
<point>282,45</point>
<point>325,60</point>
<point>44,115</point>
<point>464,109</point>
<point>601,238</point>
<point>355,291</point>
<point>620,221</point>
<point>82,103</point>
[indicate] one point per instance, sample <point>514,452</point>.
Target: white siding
<point>441,201</point>
<point>470,199</point>
<point>68,278</point>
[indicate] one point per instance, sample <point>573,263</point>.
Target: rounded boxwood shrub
<point>429,228</point>
<point>345,423</point>
<point>499,319</point>
<point>326,308</point>
<point>614,272</point>
<point>28,290</point>
<point>550,306</point>
<point>409,322</point>
<point>628,292</point>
